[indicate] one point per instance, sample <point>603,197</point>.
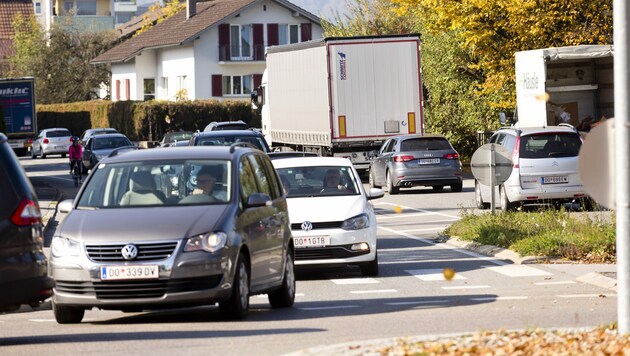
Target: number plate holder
<point>311,241</point>
<point>555,180</point>
<point>424,161</point>
<point>113,273</point>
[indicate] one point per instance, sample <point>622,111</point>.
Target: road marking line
<point>427,229</point>
<point>447,246</point>
<point>466,287</point>
<point>553,283</point>
<point>518,271</point>
<point>429,275</point>
<point>419,210</point>
<point>331,307</point>
<point>485,299</point>
<point>585,295</point>
<point>373,291</point>
<point>265,295</point>
<point>436,301</point>
<point>355,281</point>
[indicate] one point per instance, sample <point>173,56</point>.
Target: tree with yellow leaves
<point>158,13</point>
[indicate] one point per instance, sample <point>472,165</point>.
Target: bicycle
<point>76,172</point>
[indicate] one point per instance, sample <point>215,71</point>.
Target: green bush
<point>551,233</point>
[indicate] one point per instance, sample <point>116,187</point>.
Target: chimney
<point>191,8</point>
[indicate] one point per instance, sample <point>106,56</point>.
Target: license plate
<point>429,161</point>
<point>555,180</point>
<point>311,241</point>
<point>110,273</point>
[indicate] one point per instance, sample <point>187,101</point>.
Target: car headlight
<point>64,247</point>
<point>210,242</point>
<point>100,157</point>
<point>356,223</point>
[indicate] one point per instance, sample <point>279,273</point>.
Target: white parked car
<point>50,142</point>
<point>544,171</point>
<point>332,220</point>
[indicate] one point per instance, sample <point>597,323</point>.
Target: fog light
<point>360,247</point>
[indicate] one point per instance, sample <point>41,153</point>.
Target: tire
<point>42,155</point>
<point>456,188</point>
<point>284,297</point>
<point>391,189</point>
<point>237,306</point>
<point>478,198</point>
<point>506,204</point>
<point>84,170</point>
<point>370,269</point>
<point>437,188</point>
<point>372,181</point>
<point>67,315</point>
<point>33,155</point>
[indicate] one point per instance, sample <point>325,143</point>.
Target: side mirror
<point>258,199</point>
<point>375,193</point>
<point>502,118</point>
<point>65,206</point>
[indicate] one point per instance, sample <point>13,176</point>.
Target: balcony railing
<point>85,22</point>
<point>235,53</point>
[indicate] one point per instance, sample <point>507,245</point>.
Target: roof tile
<point>8,10</point>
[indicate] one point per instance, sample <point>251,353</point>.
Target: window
<point>68,6</point>
<point>37,7</point>
<point>288,34</point>
<point>247,178</point>
<point>181,82</point>
<point>261,175</point>
<point>165,87</point>
<point>240,41</point>
<point>86,7</point>
<point>237,85</point>
<point>149,89</point>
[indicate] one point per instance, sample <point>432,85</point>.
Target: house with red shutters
<point>210,50</point>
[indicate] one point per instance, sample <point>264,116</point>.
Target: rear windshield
<point>228,140</point>
<point>58,133</point>
<point>110,142</point>
<point>550,145</point>
<point>425,144</point>
<point>231,127</point>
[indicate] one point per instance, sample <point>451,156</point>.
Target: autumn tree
<point>60,60</point>
<point>368,18</point>
<point>158,13</point>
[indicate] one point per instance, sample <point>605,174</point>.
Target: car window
<point>275,184</point>
<point>312,180</point>
<point>264,184</point>
<point>247,179</point>
<point>157,183</point>
<point>10,197</point>
<point>110,142</point>
<point>229,140</point>
<point>387,147</point>
<point>424,144</point>
<point>546,145</point>
<point>58,133</point>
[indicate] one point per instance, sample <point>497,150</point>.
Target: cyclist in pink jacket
<point>75,152</point>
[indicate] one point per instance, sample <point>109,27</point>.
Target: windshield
<point>158,183</point>
<point>227,140</point>
<point>550,145</point>
<point>58,133</point>
<point>110,142</point>
<point>319,181</point>
<point>178,136</point>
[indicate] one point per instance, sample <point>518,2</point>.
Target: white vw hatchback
<point>332,220</point>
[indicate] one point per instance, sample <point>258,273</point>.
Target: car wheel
<point>67,315</point>
<point>42,155</point>
<point>285,295</point>
<point>237,305</point>
<point>391,189</point>
<point>33,155</point>
<point>84,170</point>
<point>370,268</point>
<point>372,181</point>
<point>478,198</point>
<point>437,188</point>
<point>457,187</point>
<point>506,204</point>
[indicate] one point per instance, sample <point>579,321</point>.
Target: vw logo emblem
<point>129,252</point>
<point>307,226</point>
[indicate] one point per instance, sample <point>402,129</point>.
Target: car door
<point>380,162</point>
<point>87,152</point>
<point>37,144</point>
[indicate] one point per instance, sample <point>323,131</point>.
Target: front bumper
<point>339,251</point>
<point>193,278</point>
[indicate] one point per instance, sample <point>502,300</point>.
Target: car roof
<point>102,129</point>
<point>311,162</point>
<point>533,130</point>
<point>113,134</point>
<point>229,133</point>
<point>192,152</point>
<point>419,136</point>
<point>55,129</point>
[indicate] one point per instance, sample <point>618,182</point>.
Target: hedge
<point>144,120</point>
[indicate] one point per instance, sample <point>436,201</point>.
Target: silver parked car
<point>52,141</point>
<point>416,160</point>
<point>154,229</point>
<point>100,146</point>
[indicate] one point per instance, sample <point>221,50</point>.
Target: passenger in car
<point>206,180</point>
<point>332,182</point>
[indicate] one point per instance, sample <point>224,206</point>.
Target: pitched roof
<point>130,27</point>
<point>178,30</point>
<point>8,10</point>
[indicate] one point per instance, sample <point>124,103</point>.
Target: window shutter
<point>117,90</point>
<point>257,80</point>
<point>224,42</point>
<point>127,88</point>
<point>259,42</point>
<point>305,30</point>
<point>272,34</point>
<point>217,85</point>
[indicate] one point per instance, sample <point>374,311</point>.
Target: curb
<point>51,210</point>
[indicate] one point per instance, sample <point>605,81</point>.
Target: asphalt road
<point>409,297</point>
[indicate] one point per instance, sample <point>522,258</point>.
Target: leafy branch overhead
<point>158,13</point>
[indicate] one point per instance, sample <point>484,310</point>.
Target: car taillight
<point>27,213</point>
<point>45,140</point>
<point>515,153</point>
<point>30,140</point>
<point>451,156</point>
<point>403,158</point>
